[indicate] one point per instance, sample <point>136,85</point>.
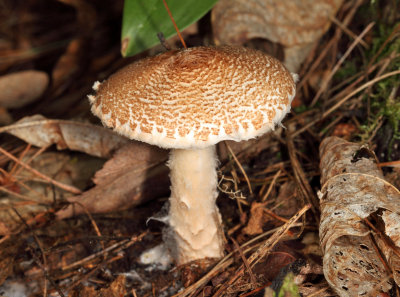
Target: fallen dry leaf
<point>78,136</point>
<point>344,130</point>
<point>354,193</point>
<point>296,25</point>
<point>21,88</point>
<point>287,200</point>
<point>23,195</point>
<point>258,217</point>
<point>135,174</point>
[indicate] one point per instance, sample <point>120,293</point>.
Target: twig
<point>340,62</point>
<point>163,42</point>
<point>300,177</point>
<point>271,185</point>
<point>175,26</point>
<point>238,248</point>
<point>366,85</point>
<point>331,43</point>
<point>222,265</point>
<point>122,244</point>
<point>390,164</point>
<point>383,46</point>
<point>240,167</point>
<point>36,154</point>
<point>341,102</point>
<point>346,30</point>
<point>318,293</point>
<point>93,222</point>
<point>21,156</point>
<point>65,187</point>
<point>263,249</point>
<point>251,293</point>
<point>27,200</point>
<point>90,273</point>
<point>274,215</point>
<point>44,265</point>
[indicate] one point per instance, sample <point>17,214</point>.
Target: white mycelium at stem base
<point>193,216</point>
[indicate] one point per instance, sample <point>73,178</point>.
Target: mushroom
<point>187,101</point>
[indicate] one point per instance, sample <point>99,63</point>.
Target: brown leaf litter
<point>265,183</point>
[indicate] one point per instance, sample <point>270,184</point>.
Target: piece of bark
<point>354,191</point>
<point>296,25</point>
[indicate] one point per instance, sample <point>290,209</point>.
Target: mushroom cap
<point>196,97</point>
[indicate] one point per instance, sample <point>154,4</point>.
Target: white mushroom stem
<point>193,216</point>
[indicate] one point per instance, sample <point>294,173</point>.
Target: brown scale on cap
<point>196,97</point>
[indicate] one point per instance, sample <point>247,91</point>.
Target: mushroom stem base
<point>193,216</point>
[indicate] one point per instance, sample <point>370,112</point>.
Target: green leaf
<point>143,19</point>
<point>289,288</point>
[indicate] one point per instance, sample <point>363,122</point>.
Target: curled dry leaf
<point>21,88</point>
<point>295,24</point>
<point>135,174</point>
<point>257,219</point>
<point>84,137</point>
<point>259,214</point>
<point>354,193</point>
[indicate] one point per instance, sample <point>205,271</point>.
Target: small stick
<point>223,264</point>
<point>252,276</point>
<point>21,156</point>
<point>68,188</point>
<point>43,265</point>
<point>163,42</point>
<point>271,185</point>
<point>275,216</point>
<point>263,249</point>
<point>347,30</point>
<point>340,62</point>
<point>390,164</point>
<point>240,167</point>
<point>342,101</point>
<point>96,228</point>
<point>123,244</point>
<point>175,26</point>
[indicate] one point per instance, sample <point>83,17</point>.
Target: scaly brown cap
<point>196,97</point>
